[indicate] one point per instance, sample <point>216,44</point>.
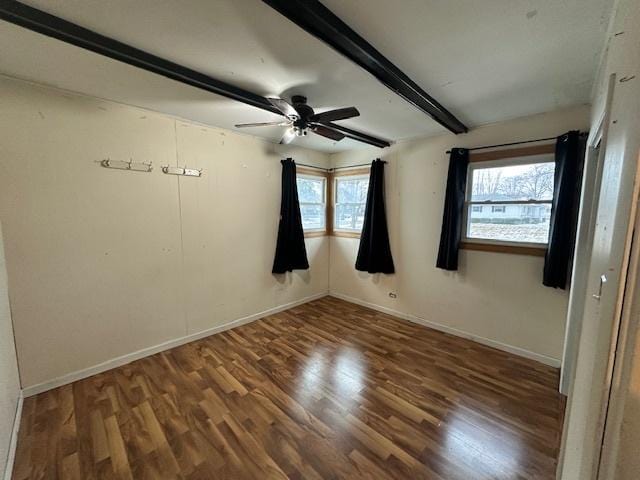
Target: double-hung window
<point>508,201</point>
<point>312,195</point>
<point>350,200</point>
<point>332,203</point>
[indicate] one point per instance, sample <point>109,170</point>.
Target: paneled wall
<point>104,263</point>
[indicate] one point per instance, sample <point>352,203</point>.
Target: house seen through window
<point>509,201</point>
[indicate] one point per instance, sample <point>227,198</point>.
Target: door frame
<point>581,271</point>
<point>578,292</point>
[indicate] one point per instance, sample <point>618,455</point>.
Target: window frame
<point>310,172</point>
<point>498,158</point>
<point>364,172</point>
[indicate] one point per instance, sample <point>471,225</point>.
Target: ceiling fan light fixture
<point>299,131</point>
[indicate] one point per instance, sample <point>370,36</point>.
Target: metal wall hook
<point>184,171</point>
<point>124,165</point>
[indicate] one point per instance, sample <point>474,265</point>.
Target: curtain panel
<point>291,253</point>
<point>453,209</point>
<point>374,253</point>
<point>567,185</point>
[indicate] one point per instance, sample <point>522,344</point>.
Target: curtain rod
<point>582,134</point>
<point>337,168</point>
<point>509,144</point>
<point>311,166</point>
<point>354,166</point>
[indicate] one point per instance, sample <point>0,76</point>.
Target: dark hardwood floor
<point>326,390</point>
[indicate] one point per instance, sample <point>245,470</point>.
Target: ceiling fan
<point>300,118</point>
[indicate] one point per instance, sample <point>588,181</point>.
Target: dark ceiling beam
<point>359,136</point>
<point>323,24</point>
<point>56,27</point>
<point>52,26</point>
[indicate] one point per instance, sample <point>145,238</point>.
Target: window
<point>313,205</point>
<point>350,202</point>
<point>519,191</point>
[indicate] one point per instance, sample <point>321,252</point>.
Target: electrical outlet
<point>393,295</point>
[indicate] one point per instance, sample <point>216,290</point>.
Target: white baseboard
<point>130,357</point>
<point>553,362</point>
<point>13,442</point>
<point>145,352</point>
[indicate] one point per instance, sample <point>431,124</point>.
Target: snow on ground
<point>536,232</point>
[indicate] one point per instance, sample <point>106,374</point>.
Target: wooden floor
<point>325,390</point>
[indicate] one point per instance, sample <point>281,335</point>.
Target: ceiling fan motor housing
<point>299,99</point>
<point>305,111</point>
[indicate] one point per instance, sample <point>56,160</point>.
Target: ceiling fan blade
<point>327,132</point>
<point>333,115</point>
<point>284,106</point>
<point>288,137</point>
<point>263,124</point>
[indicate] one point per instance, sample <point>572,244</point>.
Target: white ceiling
<point>485,61</point>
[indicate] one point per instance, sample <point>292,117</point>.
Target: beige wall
<point>102,262</point>
<point>9,381</point>
<point>494,296</point>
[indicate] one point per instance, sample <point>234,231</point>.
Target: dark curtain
<point>453,209</point>
<point>374,254</point>
<point>291,253</point>
<point>567,184</point>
